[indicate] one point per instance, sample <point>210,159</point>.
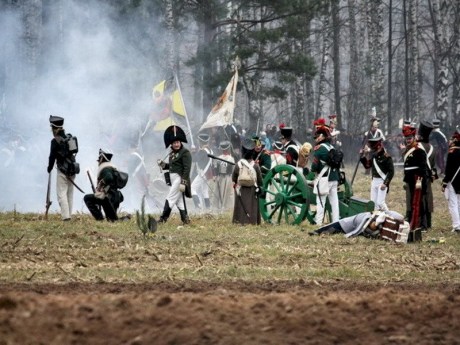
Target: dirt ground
<point>230,313</point>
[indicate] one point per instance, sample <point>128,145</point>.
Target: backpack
<point>335,158</point>
<point>68,148</point>
<point>247,176</point>
<point>68,145</point>
<point>120,178</point>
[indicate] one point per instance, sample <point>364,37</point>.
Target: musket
<point>220,159</point>
<point>90,181</point>
<point>48,201</point>
<point>363,144</point>
<point>92,185</point>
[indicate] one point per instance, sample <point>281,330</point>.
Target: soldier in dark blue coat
<point>416,174</point>
<point>107,194</point>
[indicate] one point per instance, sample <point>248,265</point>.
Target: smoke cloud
<point>77,61</point>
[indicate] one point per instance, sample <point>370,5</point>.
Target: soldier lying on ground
<point>389,225</point>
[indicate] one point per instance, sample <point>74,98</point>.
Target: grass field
<point>225,265</point>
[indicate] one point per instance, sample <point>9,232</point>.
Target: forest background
<point>299,59</point>
<point>95,63</point>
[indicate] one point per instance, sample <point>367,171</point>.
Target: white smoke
<point>93,72</point>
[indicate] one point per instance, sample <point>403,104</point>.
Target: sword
<point>69,179</point>
<point>238,193</point>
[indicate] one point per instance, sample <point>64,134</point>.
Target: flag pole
<point>185,109</point>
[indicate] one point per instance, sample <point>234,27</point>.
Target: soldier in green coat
<point>323,170</point>
<point>180,164</point>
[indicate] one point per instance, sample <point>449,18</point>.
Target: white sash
<point>379,171</point>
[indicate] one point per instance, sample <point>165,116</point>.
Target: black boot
<point>408,217</point>
<point>207,203</point>
<point>166,212</point>
<point>428,220</point>
<point>184,217</point>
<point>196,201</point>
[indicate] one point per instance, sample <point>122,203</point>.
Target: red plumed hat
<point>409,131</point>
<point>324,130</point>
<point>319,122</point>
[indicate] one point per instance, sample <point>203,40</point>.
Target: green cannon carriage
<point>290,198</point>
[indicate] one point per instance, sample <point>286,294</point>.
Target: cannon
<point>289,197</point>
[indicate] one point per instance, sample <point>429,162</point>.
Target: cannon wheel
<point>287,197</point>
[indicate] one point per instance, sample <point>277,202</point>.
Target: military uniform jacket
<point>430,155</point>
<point>106,181</point>
<point>55,155</point>
<point>292,152</point>
<point>264,161</point>
<point>415,163</point>
<point>452,165</point>
<point>320,157</point>
<point>439,140</point>
<point>385,165</point>
<point>180,162</point>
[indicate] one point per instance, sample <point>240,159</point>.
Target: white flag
<point>222,112</point>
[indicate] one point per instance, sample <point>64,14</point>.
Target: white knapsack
<point>247,176</point>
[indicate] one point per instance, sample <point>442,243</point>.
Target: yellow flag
<point>169,109</point>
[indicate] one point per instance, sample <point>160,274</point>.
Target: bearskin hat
<point>424,130</point>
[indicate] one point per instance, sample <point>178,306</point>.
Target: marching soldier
<point>382,167</point>
<point>67,168</point>
<point>415,176</point>
<point>200,185</point>
<point>451,180</point>
<point>424,131</point>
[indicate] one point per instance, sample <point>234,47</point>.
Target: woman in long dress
<point>246,209</point>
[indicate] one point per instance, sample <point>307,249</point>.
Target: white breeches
<point>378,196</point>
<point>453,202</point>
<point>175,196</point>
<point>64,190</point>
<point>333,200</point>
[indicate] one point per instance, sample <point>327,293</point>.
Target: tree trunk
<point>336,26</point>
<point>443,69</point>
<point>390,68</point>
<point>324,62</point>
<point>413,61</point>
<point>353,79</point>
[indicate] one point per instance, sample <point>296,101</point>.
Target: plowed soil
<point>229,313</point>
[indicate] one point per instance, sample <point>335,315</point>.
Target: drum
<point>394,230</point>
